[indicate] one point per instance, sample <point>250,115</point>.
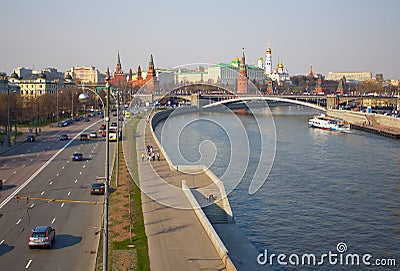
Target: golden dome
<point>269,50</point>
<point>280,65</point>
<point>260,58</point>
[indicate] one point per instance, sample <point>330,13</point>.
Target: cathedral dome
<point>14,75</point>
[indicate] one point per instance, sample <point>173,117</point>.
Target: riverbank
<point>369,122</point>
<point>215,216</point>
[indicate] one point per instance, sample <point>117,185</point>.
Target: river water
<point>323,188</point>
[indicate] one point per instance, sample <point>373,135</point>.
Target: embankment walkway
<point>176,238</point>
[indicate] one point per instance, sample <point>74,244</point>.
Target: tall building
<point>242,76</point>
<point>268,61</point>
<point>350,76</point>
<point>86,74</point>
<point>39,83</point>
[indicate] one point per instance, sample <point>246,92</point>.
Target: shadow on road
<point>4,248</point>
<point>66,240</point>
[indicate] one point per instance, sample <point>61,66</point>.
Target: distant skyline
<point>356,35</point>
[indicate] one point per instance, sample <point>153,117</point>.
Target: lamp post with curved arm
<point>83,98</point>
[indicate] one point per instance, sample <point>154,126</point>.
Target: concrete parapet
<point>349,116</point>
<point>224,197</point>
<point>212,234</point>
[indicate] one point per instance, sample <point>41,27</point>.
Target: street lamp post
<point>83,98</point>
<point>8,118</point>
<point>118,131</point>
<point>107,116</point>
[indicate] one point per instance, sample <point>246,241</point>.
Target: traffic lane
<point>40,212</point>
<point>25,159</point>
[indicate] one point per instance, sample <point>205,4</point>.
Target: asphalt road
<point>43,169</point>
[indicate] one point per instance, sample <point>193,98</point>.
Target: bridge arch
<point>201,88</point>
<point>265,98</point>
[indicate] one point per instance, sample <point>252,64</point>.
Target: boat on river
<point>326,123</point>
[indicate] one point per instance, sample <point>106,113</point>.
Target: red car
<point>103,134</point>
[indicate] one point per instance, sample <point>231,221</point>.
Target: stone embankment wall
<point>360,118</point>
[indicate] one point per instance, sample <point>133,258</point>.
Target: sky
<point>330,35</point>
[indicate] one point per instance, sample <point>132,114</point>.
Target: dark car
<point>84,137</point>
<point>42,236</point>
<point>30,138</point>
<point>1,184</point>
<point>77,156</point>
<point>63,137</point>
<point>97,188</point>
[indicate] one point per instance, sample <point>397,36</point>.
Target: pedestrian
<point>1,141</point>
<point>153,155</point>
<point>158,156</point>
<point>142,156</point>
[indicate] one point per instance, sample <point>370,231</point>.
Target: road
<point>44,169</point>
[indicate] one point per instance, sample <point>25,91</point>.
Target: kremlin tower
<point>151,81</point>
<point>242,77</point>
<point>118,77</point>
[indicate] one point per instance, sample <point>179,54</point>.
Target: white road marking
<point>18,221</point>
<point>63,167</point>
<point>58,174</point>
<point>42,192</point>
<point>23,165</point>
<point>16,191</point>
<point>76,181</point>
<point>80,173</point>
<point>69,193</point>
<point>33,204</point>
<point>84,166</point>
<point>28,264</point>
<point>54,219</point>
<point>50,183</point>
<point>62,204</point>
<point>15,172</point>
<point>2,241</point>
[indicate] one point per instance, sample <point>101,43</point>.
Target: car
<point>84,137</point>
<point>30,138</point>
<point>97,188</point>
<point>63,137</point>
<point>102,128</point>
<point>104,134</point>
<point>42,236</point>
<point>77,156</point>
<point>62,124</point>
<point>1,184</point>
<point>93,134</point>
<point>113,124</point>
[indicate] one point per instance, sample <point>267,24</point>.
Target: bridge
<point>207,95</point>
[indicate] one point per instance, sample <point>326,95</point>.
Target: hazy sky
<point>332,35</point>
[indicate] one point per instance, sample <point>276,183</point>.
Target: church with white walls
<point>280,74</point>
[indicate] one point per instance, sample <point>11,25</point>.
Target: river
<point>323,188</point>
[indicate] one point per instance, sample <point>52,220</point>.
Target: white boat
<point>326,123</point>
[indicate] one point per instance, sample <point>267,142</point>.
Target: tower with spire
<point>268,61</point>
<point>242,77</point>
<point>118,77</point>
<point>151,81</point>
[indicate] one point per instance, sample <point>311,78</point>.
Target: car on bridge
<point>42,236</point>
